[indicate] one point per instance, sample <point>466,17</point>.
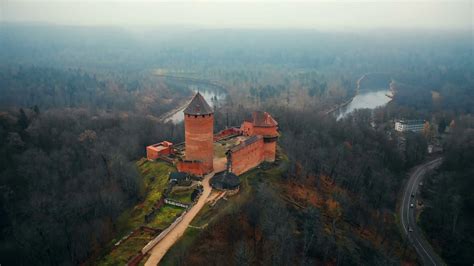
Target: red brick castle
<point>241,149</point>
<point>198,135</point>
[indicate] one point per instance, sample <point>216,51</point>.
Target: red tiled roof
<point>263,119</point>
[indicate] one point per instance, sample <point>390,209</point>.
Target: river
<point>365,100</point>
<point>213,98</point>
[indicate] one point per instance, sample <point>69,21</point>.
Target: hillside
<point>277,220</point>
<point>447,217</point>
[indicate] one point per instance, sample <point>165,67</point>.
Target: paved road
<point>408,215</point>
<point>157,253</point>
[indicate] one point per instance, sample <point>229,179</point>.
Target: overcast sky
<point>339,14</point>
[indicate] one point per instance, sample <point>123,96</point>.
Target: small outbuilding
<point>163,148</point>
<point>226,181</point>
<point>180,178</point>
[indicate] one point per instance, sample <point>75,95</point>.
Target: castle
<point>236,149</point>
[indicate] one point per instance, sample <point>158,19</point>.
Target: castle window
<point>195,116</point>
<point>203,115</point>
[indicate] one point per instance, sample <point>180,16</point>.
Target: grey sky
<point>339,14</point>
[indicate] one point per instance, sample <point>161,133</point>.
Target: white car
<point>412,205</point>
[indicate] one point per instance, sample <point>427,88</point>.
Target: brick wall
<point>269,151</point>
<point>248,157</point>
<point>191,167</point>
<point>226,133</point>
<point>198,133</point>
<point>265,131</point>
<point>154,151</point>
<point>247,128</point>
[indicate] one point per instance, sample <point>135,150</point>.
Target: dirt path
<point>157,253</point>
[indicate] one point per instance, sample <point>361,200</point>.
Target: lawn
<point>127,250</point>
<point>182,196</point>
<point>221,147</point>
<point>219,150</point>
<point>154,177</point>
<point>165,216</point>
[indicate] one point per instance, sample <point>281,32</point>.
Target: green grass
<point>205,215</point>
<point>127,250</point>
<point>182,196</point>
<point>165,216</point>
<point>153,188</point>
<point>154,177</point>
<point>219,150</point>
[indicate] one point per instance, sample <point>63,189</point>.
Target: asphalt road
<point>408,215</point>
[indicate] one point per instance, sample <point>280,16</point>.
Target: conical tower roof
<point>198,106</point>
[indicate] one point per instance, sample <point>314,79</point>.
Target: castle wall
<point>154,151</point>
<point>265,131</point>
<point>269,146</point>
<point>247,157</point>
<point>151,154</point>
<point>191,167</point>
<point>199,139</point>
<point>269,151</point>
<point>247,128</point>
<point>226,133</point>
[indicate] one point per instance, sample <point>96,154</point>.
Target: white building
<point>409,125</point>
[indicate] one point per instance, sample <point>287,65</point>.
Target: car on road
<point>421,183</point>
<point>410,229</point>
<point>412,195</point>
<point>412,205</point>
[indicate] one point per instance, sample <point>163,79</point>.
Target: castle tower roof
<point>198,106</point>
<point>263,119</point>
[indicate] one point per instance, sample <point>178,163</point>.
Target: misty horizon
<point>319,15</point>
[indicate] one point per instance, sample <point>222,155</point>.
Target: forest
<point>67,157</point>
<point>448,219</point>
<point>78,106</point>
<point>349,174</point>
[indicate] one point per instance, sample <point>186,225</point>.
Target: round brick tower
<point>199,132</point>
<point>265,125</point>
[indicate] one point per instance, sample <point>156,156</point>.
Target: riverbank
<point>168,115</point>
<point>211,83</point>
<point>344,104</point>
<point>369,94</point>
<point>212,96</point>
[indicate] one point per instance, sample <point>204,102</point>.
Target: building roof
<point>263,119</point>
<point>198,106</point>
<point>225,180</point>
<point>411,122</point>
<point>178,176</point>
<point>246,142</point>
<point>160,146</point>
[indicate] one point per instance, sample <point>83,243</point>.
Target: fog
<point>321,15</point>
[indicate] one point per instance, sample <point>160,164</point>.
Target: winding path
<point>408,215</point>
<point>157,253</point>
